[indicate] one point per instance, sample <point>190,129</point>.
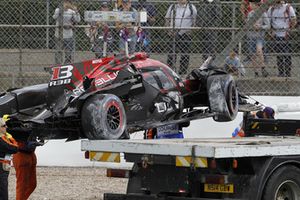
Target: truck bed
<point>209,148</point>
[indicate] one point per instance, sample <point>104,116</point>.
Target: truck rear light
<point>234,163</point>
<point>213,164</point>
<point>87,155</point>
<point>117,173</point>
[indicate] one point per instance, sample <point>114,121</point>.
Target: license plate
<point>221,188</point>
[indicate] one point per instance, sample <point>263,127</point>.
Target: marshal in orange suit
<point>25,165</point>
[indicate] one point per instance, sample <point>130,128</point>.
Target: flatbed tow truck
<point>251,168</point>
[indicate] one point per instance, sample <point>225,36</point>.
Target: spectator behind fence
<point>233,65</point>
<point>70,17</point>
<point>256,39</point>
<point>246,8</point>
<point>283,19</point>
<point>143,36</point>
<point>210,16</point>
<point>127,31</point>
<point>99,33</point>
<point>184,14</point>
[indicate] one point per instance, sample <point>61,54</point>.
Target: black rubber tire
<point>103,117</point>
<point>223,97</point>
<point>284,183</point>
<point>232,98</point>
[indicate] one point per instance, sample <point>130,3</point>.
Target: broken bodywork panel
<point>103,98</point>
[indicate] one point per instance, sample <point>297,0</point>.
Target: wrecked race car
<point>104,98</point>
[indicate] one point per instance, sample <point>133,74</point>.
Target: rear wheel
<point>223,97</point>
<point>283,184</point>
<point>231,96</point>
<point>103,117</point>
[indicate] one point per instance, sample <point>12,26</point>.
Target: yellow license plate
<point>221,188</point>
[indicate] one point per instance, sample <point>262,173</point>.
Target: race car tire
<point>103,117</point>
<point>223,97</point>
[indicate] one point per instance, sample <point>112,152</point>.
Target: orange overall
<point>25,165</point>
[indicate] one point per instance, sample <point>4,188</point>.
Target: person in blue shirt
<point>233,65</point>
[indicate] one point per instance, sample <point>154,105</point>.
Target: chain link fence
<point>28,43</point>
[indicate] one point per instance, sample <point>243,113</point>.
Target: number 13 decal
<point>62,72</point>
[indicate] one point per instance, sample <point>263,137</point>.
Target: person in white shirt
<point>181,16</point>
<point>70,17</point>
<point>282,19</point>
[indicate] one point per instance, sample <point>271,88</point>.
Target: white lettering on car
<point>59,82</point>
<point>106,78</point>
<point>97,61</point>
<point>78,91</point>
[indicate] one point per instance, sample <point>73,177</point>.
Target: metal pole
<point>20,36</point>
<point>233,23</point>
<point>174,42</point>
<point>126,48</point>
<point>47,22</point>
<point>105,48</point>
<point>60,33</point>
<point>20,46</point>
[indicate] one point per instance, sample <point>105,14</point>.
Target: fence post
<point>174,41</point>
<point>20,46</point>
<point>20,36</point>
<point>233,23</point>
<point>47,22</point>
<point>59,41</point>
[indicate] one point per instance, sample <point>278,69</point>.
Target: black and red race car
<point>105,98</point>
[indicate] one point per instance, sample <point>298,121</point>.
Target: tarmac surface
<point>66,183</point>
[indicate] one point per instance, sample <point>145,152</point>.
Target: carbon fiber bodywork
<point>152,95</point>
